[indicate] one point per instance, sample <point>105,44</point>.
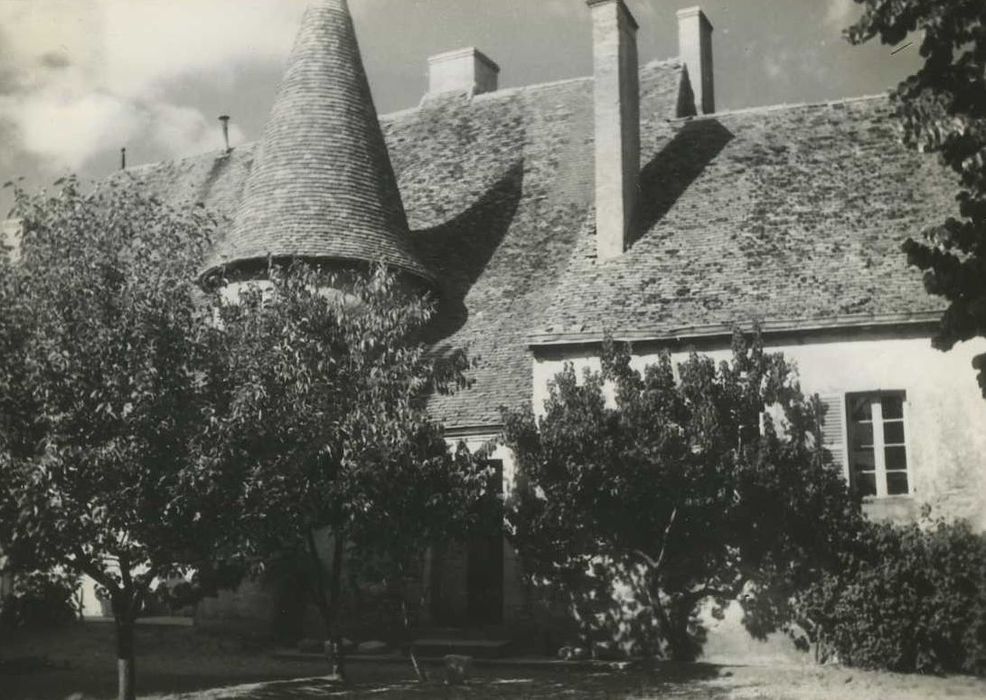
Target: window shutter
<point>833,421</point>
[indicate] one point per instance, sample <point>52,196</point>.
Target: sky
<point>79,79</point>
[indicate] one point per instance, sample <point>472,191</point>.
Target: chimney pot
<point>224,120</point>
<point>463,70</point>
<point>695,50</point>
<point>617,124</point>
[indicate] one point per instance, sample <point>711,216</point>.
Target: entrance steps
<point>484,643</point>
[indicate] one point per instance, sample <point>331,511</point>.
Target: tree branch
<point>86,566</point>
<point>664,540</point>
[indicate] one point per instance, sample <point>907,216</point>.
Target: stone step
<point>478,648</point>
<point>494,632</point>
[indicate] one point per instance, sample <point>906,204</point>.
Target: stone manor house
<point>545,216</point>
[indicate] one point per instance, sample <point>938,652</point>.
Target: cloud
<point>840,14</point>
<point>561,8</point>
<point>79,75</point>
<point>644,11</point>
<point>774,66</point>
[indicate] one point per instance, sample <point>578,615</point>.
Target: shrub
<point>909,599</point>
<point>39,600</point>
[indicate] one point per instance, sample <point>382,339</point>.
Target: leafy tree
<point>943,109</point>
<point>107,353</point>
<point>906,598</point>
<point>327,420</point>
<point>681,488</point>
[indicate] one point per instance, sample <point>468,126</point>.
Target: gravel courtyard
<point>175,663</point>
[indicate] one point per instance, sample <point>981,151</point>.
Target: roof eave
<point>916,320</point>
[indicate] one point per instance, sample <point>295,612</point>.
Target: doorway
<point>484,553</point>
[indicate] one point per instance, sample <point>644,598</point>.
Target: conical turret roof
<point>322,186</point>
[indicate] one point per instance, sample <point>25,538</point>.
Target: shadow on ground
<point>490,683</point>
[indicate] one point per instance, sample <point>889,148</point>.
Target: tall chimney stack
<point>695,50</point>
<point>617,124</point>
<point>224,120</point>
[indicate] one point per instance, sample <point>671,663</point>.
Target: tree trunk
<point>126,667</point>
<point>406,620</point>
<point>673,623</point>
<point>328,606</point>
<point>680,642</point>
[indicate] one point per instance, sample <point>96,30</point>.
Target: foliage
<point>681,488</point>
<point>328,423</point>
<point>39,599</point>
<point>107,352</point>
<point>907,599</point>
<point>942,108</point>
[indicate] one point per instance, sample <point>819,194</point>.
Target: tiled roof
<point>322,186</point>
<point>498,190</point>
<point>779,214</point>
<point>785,214</point>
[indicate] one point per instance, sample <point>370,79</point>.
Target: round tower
<point>322,188</point>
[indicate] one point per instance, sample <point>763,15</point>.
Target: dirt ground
<point>178,664</point>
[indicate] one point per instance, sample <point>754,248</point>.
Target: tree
<point>328,423</point>
<point>679,489</point>
<point>942,108</point>
<point>107,352</point>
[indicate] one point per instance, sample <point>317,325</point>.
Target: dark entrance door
<point>484,566</point>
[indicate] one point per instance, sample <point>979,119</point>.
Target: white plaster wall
<point>946,421</point>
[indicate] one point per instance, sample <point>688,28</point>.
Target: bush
<point>908,599</point>
<point>39,600</point>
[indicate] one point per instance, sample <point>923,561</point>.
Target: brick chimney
<point>695,50</point>
<point>463,70</point>
<point>617,124</point>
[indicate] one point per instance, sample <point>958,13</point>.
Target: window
<point>877,444</point>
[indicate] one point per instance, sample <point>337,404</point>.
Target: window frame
<point>879,442</point>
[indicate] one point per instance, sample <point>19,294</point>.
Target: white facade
<point>944,412</point>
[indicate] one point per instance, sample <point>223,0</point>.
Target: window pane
<point>859,408</point>
<point>866,484</point>
<point>896,458</point>
<point>862,435</point>
<point>893,406</point>
<point>897,483</point>
<point>863,459</point>
<point>893,432</point>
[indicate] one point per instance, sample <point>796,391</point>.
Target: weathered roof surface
<point>322,186</point>
<point>791,214</point>
<point>497,189</point>
<point>786,214</point>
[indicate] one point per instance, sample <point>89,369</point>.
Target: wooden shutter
<point>833,421</point>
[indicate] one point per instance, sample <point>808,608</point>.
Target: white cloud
<point>562,8</point>
<point>644,11</point>
<point>773,67</point>
<point>840,13</point>
<point>77,74</point>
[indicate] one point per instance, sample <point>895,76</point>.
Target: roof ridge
<point>787,105</point>
<point>517,89</point>
<point>493,96</point>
